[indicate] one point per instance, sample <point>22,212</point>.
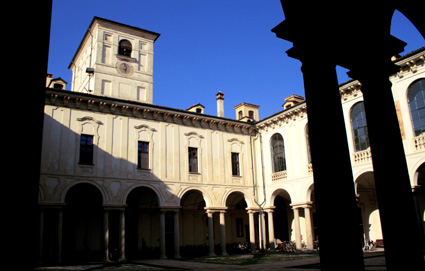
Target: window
<point>125,48</point>
<point>235,164</point>
<point>359,127</point>
<point>86,149</point>
<point>278,153</point>
<point>251,114</point>
<point>240,114</point>
<point>143,155</point>
<point>193,160</point>
<point>416,96</point>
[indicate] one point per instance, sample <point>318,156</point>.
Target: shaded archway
<point>83,224</point>
<point>194,230</point>
<point>237,222</point>
<point>283,216</point>
<point>142,224</point>
<point>369,219</point>
<point>419,197</point>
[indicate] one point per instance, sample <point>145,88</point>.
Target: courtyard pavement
<point>275,261</point>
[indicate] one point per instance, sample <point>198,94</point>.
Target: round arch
<point>101,189</point>
<point>285,193</point>
<point>226,195</point>
<point>158,193</point>
<point>205,195</point>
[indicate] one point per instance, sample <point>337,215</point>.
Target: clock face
<point>125,68</point>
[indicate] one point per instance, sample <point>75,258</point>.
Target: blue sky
<point>205,46</point>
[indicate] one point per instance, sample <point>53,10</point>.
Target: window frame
<point>143,151</point>
<point>193,160</point>
<point>278,158</point>
<point>418,121</point>
<point>359,129</point>
<point>86,154</point>
<point>236,170</point>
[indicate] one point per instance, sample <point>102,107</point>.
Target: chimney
<point>220,104</point>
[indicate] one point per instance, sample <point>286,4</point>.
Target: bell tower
<point>115,60</point>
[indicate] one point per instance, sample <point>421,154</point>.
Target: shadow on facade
<point>110,209</point>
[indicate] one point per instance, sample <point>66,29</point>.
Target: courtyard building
<point>124,178</point>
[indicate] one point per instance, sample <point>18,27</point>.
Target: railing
<point>310,169</point>
<point>362,157</point>
<point>419,142</point>
<point>279,175</point>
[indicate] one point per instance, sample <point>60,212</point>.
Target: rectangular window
<point>143,155</point>
<point>86,149</point>
<point>235,164</point>
<point>193,160</point>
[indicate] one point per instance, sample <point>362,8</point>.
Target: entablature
<point>115,106</point>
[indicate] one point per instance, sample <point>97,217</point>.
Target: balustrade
<point>419,142</point>
<point>362,157</point>
<point>279,176</point>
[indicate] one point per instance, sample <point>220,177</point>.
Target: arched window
<point>307,139</point>
<point>359,127</point>
<point>278,153</point>
<point>125,48</point>
<point>416,96</point>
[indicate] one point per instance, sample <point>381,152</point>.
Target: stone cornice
<point>284,117</point>
<point>107,105</point>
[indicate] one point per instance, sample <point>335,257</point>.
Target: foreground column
<point>271,230</point>
<point>162,235</point>
<point>211,233</point>
<point>122,234</point>
<point>297,230</point>
<point>390,169</point>
<point>331,165</point>
<point>223,232</point>
<point>176,235</point>
<point>106,233</point>
<point>60,229</point>
<point>309,227</point>
<point>252,230</point>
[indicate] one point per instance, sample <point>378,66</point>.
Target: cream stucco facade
<point>174,181</point>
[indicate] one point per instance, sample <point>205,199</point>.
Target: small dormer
<point>247,112</point>
<point>292,100</point>
<point>197,108</point>
<point>56,83</point>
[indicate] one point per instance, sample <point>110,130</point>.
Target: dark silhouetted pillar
<point>333,180</point>
<point>394,192</point>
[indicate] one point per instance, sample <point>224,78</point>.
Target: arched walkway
<point>369,219</point>
<point>142,224</point>
<point>194,233</point>
<point>419,197</point>
<point>83,224</point>
<point>237,223</point>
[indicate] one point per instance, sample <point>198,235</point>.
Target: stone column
<point>40,236</point>
<point>223,232</point>
<point>60,228</point>
<point>262,230</point>
<point>389,164</point>
<point>252,230</point>
<point>211,233</point>
<point>122,235</point>
<point>106,233</point>
<point>297,229</point>
<point>162,235</point>
<point>176,235</point>
<point>309,227</point>
<point>271,231</point>
<point>324,101</point>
